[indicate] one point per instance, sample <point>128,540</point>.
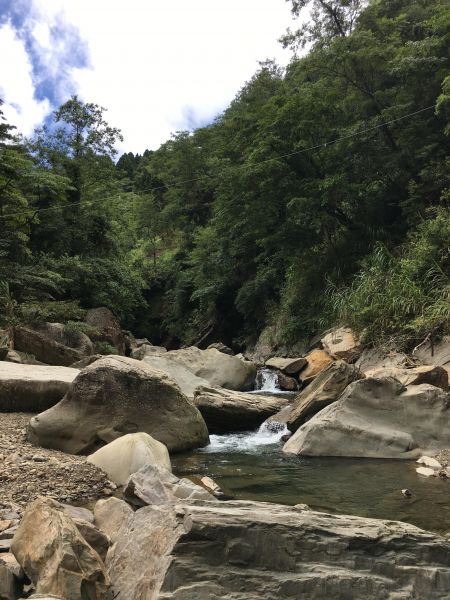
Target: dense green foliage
<point>320,196</point>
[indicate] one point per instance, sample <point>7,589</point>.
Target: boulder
<point>126,455</point>
<point>317,360</point>
<point>55,556</point>
<point>221,348</point>
<point>187,381</point>
<point>426,472</point>
<point>255,550</point>
<point>436,353</point>
<point>286,383</point>
<point>114,396</point>
<point>342,343</point>
<point>94,537</point>
<point>291,366</point>
<point>147,350</point>
<point>51,344</point>
<point>433,375</point>
<point>325,389</point>
<point>226,410</point>
<point>374,358</point>
<point>85,362</point>
<point>378,418</point>
<point>30,388</point>
<point>10,577</point>
<point>153,485</point>
<point>107,328</point>
<point>219,369</point>
<point>429,461</point>
<point>110,515</point>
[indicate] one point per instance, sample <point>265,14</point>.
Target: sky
<point>158,66</point>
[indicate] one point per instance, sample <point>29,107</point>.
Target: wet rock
<point>430,462</point>
<point>55,556</point>
<point>426,472</point>
<point>114,396</point>
<point>126,455</point>
<point>226,410</point>
<point>287,383</point>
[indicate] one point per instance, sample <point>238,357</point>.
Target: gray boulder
<point>226,410</point>
<point>325,389</point>
<point>31,388</point>
<point>254,550</point>
<point>187,381</point>
<point>434,375</point>
<point>378,418</point>
<point>114,396</point>
<point>145,350</point>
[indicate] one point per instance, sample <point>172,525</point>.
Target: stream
<point>252,466</point>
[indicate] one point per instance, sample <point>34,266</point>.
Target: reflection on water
<point>250,469</point>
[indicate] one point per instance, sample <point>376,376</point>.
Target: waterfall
<point>267,381</point>
<point>268,433</point>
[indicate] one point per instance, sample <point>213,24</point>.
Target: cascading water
<point>267,381</point>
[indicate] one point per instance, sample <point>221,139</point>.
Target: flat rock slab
<point>32,388</point>
<point>259,551</point>
<point>288,365</point>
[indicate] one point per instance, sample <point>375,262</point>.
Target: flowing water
<point>251,466</point>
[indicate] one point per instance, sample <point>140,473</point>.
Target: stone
<point>219,369</point>
<point>10,584</point>
<point>14,357</point>
<point>326,388</point>
<point>114,396</point>
<point>374,358</point>
<point>226,410</point>
<point>221,348</point>
<point>55,556</point>
<point>94,537</point>
<point>286,383</point>
<point>147,350</point>
<point>126,455</point>
<point>317,361</point>
<point>429,461</point>
<point>434,375</point>
<point>85,362</point>
<point>78,512</point>
<point>342,343</point>
<point>426,472</point>
<point>110,515</point>
<point>255,550</point>
<point>187,381</point>
<point>31,388</point>
<point>108,330</point>
<point>51,344</point>
<point>153,485</point>
<point>378,418</point>
<point>3,352</point>
<point>291,366</point>
<point>436,353</point>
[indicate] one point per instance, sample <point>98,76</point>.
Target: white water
<point>247,441</point>
<point>267,381</point>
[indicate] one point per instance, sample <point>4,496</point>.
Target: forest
<point>319,197</point>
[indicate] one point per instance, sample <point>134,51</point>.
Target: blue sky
<point>158,66</point>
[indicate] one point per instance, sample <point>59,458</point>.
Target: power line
<point>246,166</point>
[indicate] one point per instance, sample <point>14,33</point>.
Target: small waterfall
<point>267,381</point>
<point>268,433</point>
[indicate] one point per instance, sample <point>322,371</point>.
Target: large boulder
<point>145,350</point>
<point>114,396</point>
<point>290,366</point>
<point>55,556</point>
<point>375,358</point>
<point>435,353</point>
<point>185,378</point>
<point>110,515</point>
<point>129,453</point>
<point>342,343</point>
<point>52,344</point>
<point>431,374</point>
<point>226,410</point>
<point>219,369</point>
<point>30,388</point>
<point>317,360</point>
<point>106,329</point>
<point>255,550</point>
<point>155,485</point>
<point>378,418</point>
<point>325,389</point>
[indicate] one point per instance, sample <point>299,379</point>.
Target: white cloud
<point>154,62</point>
<point>21,108</point>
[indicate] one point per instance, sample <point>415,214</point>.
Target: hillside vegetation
<point>320,196</point>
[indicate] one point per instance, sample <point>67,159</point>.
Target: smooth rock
<point>426,472</point>
<point>221,348</point>
<point>317,361</point>
<point>96,538</point>
<point>374,358</point>
<point>114,396</point>
<point>153,485</point>
<point>110,515</point>
<point>429,461</point>
<point>291,366</point>
<point>126,455</point>
<point>55,556</point>
<point>378,418</point>
<point>30,388</point>
<point>85,362</point>
<point>255,550</point>
<point>326,388</point>
<point>147,350</point>
<point>187,381</point>
<point>78,512</point>
<point>342,343</point>
<point>435,353</point>
<point>430,374</point>
<point>226,410</point>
